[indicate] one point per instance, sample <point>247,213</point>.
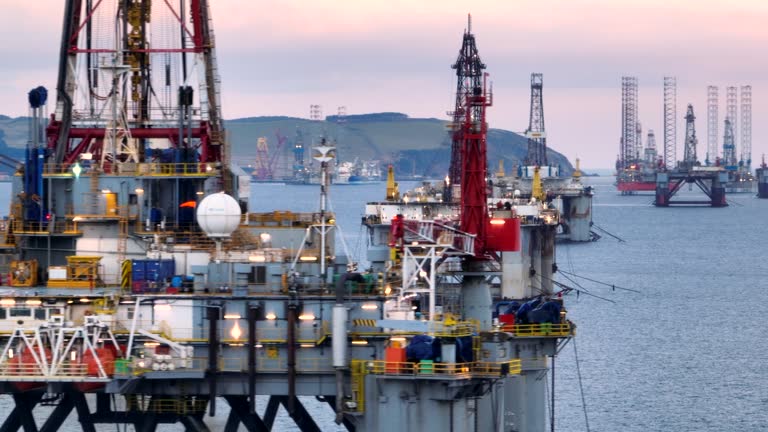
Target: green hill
<point>416,146</point>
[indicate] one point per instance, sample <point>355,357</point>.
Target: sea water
<point>685,353</point>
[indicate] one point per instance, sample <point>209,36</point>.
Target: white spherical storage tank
<point>218,215</point>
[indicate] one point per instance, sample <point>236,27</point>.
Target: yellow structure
<point>577,171</point>
<point>537,187</point>
<point>23,273</point>
<point>393,192</point>
<point>82,272</point>
<point>500,173</point>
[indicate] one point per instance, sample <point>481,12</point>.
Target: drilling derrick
<point>670,122</point>
<point>689,154</point>
<point>732,114</point>
<point>712,121</point>
<point>746,128</point>
<point>729,147</point>
<point>138,115</point>
<point>628,122</point>
<point>537,138</point>
<point>650,149</point>
<point>469,76</point>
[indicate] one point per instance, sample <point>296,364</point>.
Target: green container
<point>426,367</point>
<point>546,328</point>
<point>121,367</point>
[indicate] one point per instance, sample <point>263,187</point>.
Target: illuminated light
<point>142,364</point>
<point>139,190</point>
<point>259,346</point>
<point>200,193</point>
<point>106,191</point>
<point>307,345</point>
<point>151,344</point>
<point>163,307</point>
<point>236,332</point>
<point>73,355</point>
<point>266,239</point>
<point>306,317</point>
<point>232,316</point>
<point>413,308</point>
<point>388,289</point>
<point>236,344</point>
<point>7,302</point>
<point>34,302</point>
<point>84,300</point>
<point>331,221</point>
<point>422,274</point>
<point>77,170</point>
<point>308,258</point>
<point>397,339</point>
<point>69,302</point>
<point>86,156</point>
<point>414,243</point>
<point>369,306</point>
<point>10,353</point>
<point>77,219</point>
<point>271,316</point>
<point>257,258</point>
<point>208,168</point>
<point>498,221</point>
<point>359,342</point>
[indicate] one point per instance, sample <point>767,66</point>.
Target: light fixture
<point>139,190</point>
<point>497,221</point>
<point>76,170</point>
<point>235,332</point>
<point>359,342</point>
<point>369,306</point>
<point>259,346</point>
<point>271,316</point>
<point>306,317</point>
<point>84,300</point>
<point>199,193</point>
<point>257,258</point>
<point>34,302</point>
<point>388,289</point>
<point>151,344</point>
<point>86,156</point>
<point>7,302</point>
<point>232,316</point>
<point>397,339</point>
<point>308,258</point>
<point>165,307</point>
<point>306,345</point>
<point>106,191</point>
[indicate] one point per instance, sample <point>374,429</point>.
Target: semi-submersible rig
<point>141,291</point>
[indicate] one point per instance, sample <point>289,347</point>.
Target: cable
<point>581,386</point>
<point>613,286</point>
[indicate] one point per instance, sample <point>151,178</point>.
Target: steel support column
<point>59,414</point>
<point>252,422</point>
<point>83,412</point>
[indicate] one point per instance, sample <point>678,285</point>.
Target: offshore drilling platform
<point>141,291</point>
<point>643,169</point>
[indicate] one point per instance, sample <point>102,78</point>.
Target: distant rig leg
<point>21,415</point>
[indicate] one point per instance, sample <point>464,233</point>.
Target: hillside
<point>416,146</point>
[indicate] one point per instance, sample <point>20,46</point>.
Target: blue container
<point>155,216</point>
<point>176,282</point>
<point>138,270</point>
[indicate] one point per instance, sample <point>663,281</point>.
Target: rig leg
<point>83,412</point>
<point>300,415</point>
<point>331,400</point>
<point>271,412</point>
<point>233,422</point>
<point>193,424</point>
<point>240,407</point>
<point>21,416</point>
<point>149,423</point>
<point>59,414</point>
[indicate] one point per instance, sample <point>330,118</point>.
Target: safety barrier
<point>136,169</point>
<point>181,406</point>
<point>539,330</point>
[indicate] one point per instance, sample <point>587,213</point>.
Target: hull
<point>636,186</point>
<point>762,182</point>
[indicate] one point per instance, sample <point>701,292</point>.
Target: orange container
<point>394,358</point>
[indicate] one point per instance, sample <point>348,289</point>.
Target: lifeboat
<point>90,367</point>
<point>24,364</point>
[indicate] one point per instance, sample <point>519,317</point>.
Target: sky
<point>277,57</point>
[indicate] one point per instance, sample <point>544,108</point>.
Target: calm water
<point>687,353</point>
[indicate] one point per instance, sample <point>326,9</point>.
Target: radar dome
<point>218,215</point>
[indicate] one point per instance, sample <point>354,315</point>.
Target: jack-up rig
<point>641,169</point>
<point>142,292</point>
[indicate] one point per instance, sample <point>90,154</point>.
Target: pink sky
<point>278,57</point>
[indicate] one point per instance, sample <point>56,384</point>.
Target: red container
<point>395,359</point>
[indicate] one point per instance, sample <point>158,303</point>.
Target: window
<point>40,314</point>
<point>21,312</point>
<point>3,313</point>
